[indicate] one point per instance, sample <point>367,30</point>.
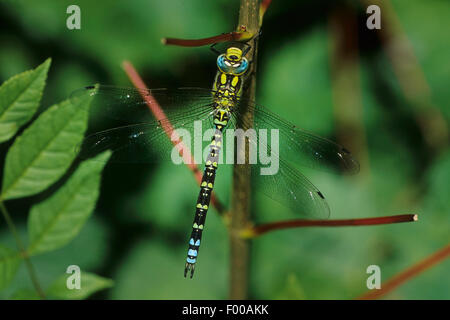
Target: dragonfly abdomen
<point>204,197</point>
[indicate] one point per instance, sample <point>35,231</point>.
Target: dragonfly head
<point>232,62</point>
<point>234,54</point>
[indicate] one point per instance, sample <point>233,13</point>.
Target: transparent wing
<point>280,181</point>
<point>295,144</point>
<point>132,105</point>
<point>144,143</point>
<point>149,118</point>
<point>293,190</point>
<point>144,137</point>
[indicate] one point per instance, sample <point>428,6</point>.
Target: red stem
<point>261,229</point>
<point>231,36</point>
<point>167,126</point>
<point>262,10</point>
<point>409,273</point>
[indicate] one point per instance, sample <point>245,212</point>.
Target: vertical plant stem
<point>22,250</point>
<point>410,75</point>
<point>240,199</point>
<point>346,85</point>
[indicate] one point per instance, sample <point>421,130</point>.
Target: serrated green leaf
<point>57,220</point>
<point>90,283</point>
<point>25,294</point>
<point>19,99</point>
<point>9,264</point>
<point>45,150</point>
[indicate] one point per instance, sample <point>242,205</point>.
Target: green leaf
<point>57,220</point>
<point>25,294</point>
<point>45,150</point>
<point>9,264</point>
<point>19,99</point>
<point>90,283</point>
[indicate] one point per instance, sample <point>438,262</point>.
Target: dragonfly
<point>142,138</point>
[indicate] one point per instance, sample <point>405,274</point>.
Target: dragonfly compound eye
<point>241,67</point>
<point>223,64</point>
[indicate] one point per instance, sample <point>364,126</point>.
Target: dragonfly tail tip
<point>189,267</point>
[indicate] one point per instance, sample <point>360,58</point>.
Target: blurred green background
<point>383,94</point>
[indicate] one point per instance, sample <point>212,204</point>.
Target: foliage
<point>19,99</point>
<point>37,159</point>
<point>90,283</point>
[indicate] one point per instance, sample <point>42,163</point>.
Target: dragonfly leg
<point>213,49</point>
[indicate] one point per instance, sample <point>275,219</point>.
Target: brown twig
<point>346,85</point>
<point>259,230</point>
<point>23,252</point>
<point>240,197</point>
<point>410,76</point>
<point>262,10</point>
<point>167,126</point>
<point>409,273</point>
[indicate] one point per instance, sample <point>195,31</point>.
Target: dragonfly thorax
<point>227,88</point>
<point>226,103</point>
